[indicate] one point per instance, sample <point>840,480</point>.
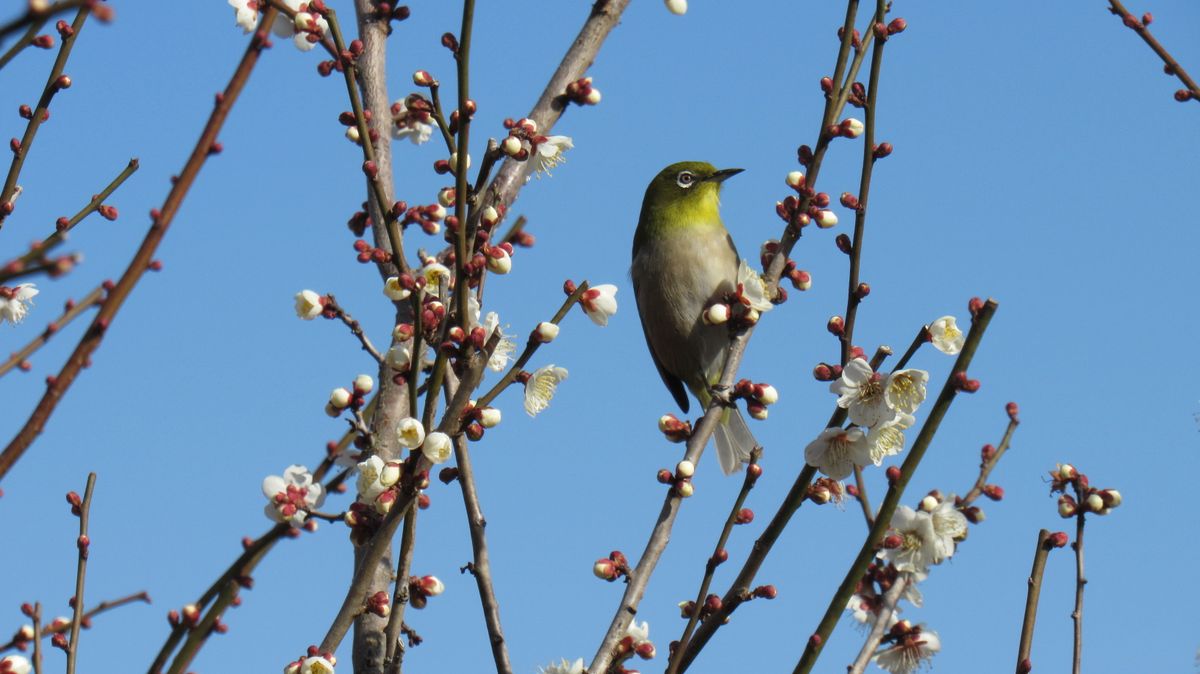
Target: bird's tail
<point>734,441</point>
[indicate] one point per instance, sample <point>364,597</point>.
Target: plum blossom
<point>309,304</point>
<point>541,387</point>
<point>563,667</point>
<point>245,14</point>
<point>549,153</point>
<point>836,451</point>
<point>904,390</point>
<point>316,664</point>
<point>919,545</point>
<point>886,438</point>
<point>949,524</point>
<point>306,29</point>
<point>677,7</point>
<point>411,433</point>
<point>411,121</point>
<point>292,495</point>
<point>438,447</point>
<point>15,302</point>
<point>752,290</point>
<point>945,335</point>
<point>909,652</point>
<point>16,664</point>
<point>860,391</point>
<point>599,302</point>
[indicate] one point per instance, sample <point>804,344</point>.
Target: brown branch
<point>17,268</point>
<point>355,328</point>
<point>55,83</point>
<point>73,310</point>
<point>83,544</point>
<point>985,467</point>
<point>37,638</point>
<point>710,566</point>
<point>861,496</point>
<point>141,259</point>
<point>1170,65</point>
<point>1031,602</point>
<point>1080,580</point>
<point>33,16</point>
<point>394,654</point>
<point>891,500</point>
<point>481,567</point>
<point>96,610</point>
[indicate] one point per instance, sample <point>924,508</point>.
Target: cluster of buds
<point>635,642</point>
<point>379,484</point>
<point>385,11</point>
<point>801,280</point>
<point>421,588</point>
<point>188,616</point>
<point>365,253</point>
<point>353,398</point>
<point>847,128</point>
<point>825,490</point>
<point>884,31</point>
<point>806,206</point>
<point>611,567</point>
<point>758,397</point>
<point>379,604</point>
<point>480,418</point>
<point>348,120</point>
<point>522,138</point>
<point>1087,499</point>
<point>582,92</point>
<point>681,479</point>
<point>15,664</point>
<point>315,661</point>
<point>674,429</point>
<point>428,217</point>
<point>827,372</point>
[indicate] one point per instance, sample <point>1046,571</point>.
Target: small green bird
<point>683,261</point>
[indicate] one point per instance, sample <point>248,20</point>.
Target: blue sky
<point>1040,160</point>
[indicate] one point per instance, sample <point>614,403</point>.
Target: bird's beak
<point>723,174</point>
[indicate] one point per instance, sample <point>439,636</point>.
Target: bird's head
<point>686,192</point>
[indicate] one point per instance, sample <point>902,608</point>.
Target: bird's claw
<point>722,395</point>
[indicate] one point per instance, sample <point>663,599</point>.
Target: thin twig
<point>38,251</point>
<point>75,309</point>
<point>481,567</point>
<point>1170,65</point>
<point>861,496</point>
<point>394,652</point>
<point>355,329</point>
<point>37,638</point>
<point>1031,602</point>
<point>138,266</point>
<point>710,567</point>
<point>83,544</point>
<point>880,625</point>
<point>53,85</point>
<point>1080,581</point>
<point>34,15</point>
<point>96,610</point>
<point>24,41</point>
<point>985,467</point>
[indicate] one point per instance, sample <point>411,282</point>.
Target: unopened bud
<point>826,219</point>
<point>546,332</point>
<point>836,325</point>
<point>1057,539</point>
<point>795,179</point>
<point>716,314</point>
<point>993,491</point>
<point>684,488</point>
<point>606,569</point>
<point>685,469</point>
<point>422,78</point>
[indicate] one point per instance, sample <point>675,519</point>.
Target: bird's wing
<point>674,384</point>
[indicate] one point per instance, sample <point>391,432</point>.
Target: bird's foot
<point>722,394</point>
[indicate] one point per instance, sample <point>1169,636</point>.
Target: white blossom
<point>886,438</point>
<point>752,289</point>
<point>399,358</point>
<point>309,304</point>
<point>599,302</point>
<point>410,124</point>
<point>541,387</point>
<point>245,14</point>
<point>860,390</point>
<point>563,667</point>
<point>678,7</point>
<point>15,302</point>
<point>17,664</point>
<point>949,524</point>
<point>549,153</point>
<point>435,275</point>
<point>909,653</point>
<point>438,447</point>
<point>394,291</point>
<point>919,544</point>
<point>300,28</point>
<point>316,665</point>
<point>290,496</point>
<point>946,336</point>
<point>411,433</point>
<point>370,483</point>
<point>905,390</point>
<point>836,451</point>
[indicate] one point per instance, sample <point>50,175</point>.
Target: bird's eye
<point>685,179</point>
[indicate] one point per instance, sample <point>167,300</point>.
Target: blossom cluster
<point>315,661</point>
<point>881,403</point>
<point>746,304</point>
<point>291,496</point>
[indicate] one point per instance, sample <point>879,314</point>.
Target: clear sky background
<point>1040,160</point>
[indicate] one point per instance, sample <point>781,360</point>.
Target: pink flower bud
<point>422,78</point>
<point>827,219</point>
<point>606,569</point>
<point>1012,410</point>
<point>1067,506</point>
<point>1057,539</point>
<point>836,325</point>
<point>684,488</point>
<point>893,474</point>
<point>744,516</point>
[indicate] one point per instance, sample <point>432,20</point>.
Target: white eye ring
<point>686,179</point>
